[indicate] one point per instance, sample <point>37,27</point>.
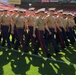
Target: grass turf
<point>16,63</point>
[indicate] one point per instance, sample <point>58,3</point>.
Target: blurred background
<point>69,5</point>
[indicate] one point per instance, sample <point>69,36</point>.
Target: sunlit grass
<point>54,68</point>
<point>33,70</point>
<point>18,63</point>
<point>65,60</point>
<point>7,69</point>
<point>27,62</point>
<point>1,52</point>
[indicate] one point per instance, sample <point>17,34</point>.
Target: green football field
<point>13,62</point>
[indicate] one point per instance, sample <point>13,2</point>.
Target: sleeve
<point>15,21</point>
<point>9,19</point>
<point>46,20</point>
<point>27,20</point>
<point>45,23</point>
<point>1,19</point>
<point>36,22</point>
<point>73,22</point>
<point>57,20</point>
<point>24,19</point>
<point>67,23</point>
<point>54,21</point>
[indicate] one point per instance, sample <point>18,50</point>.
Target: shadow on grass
<point>23,64</point>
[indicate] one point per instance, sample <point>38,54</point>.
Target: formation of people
<point>40,27</point>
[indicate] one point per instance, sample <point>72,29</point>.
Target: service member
<point>1,13</point>
<point>70,24</point>
<point>41,24</point>
<point>19,30</point>
<point>60,28</point>
<point>5,20</point>
<point>13,16</point>
<point>50,21</point>
<point>30,20</point>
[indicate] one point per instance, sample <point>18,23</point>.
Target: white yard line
<point>59,61</point>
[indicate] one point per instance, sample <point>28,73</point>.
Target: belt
<point>5,25</point>
<point>19,27</point>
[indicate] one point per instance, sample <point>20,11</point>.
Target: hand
<point>65,30</point>
<point>12,32</point>
<point>50,33</point>
<point>60,30</point>
<point>28,29</point>
<point>55,31</point>
<point>34,35</point>
<point>24,30</point>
